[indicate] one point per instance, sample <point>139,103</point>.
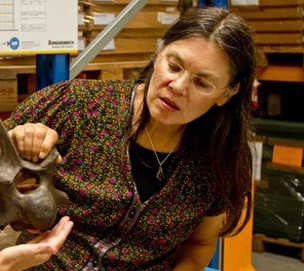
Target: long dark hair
<point>222,133</point>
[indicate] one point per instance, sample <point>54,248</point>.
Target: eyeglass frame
<point>194,76</point>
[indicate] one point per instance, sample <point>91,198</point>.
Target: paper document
<point>245,2</point>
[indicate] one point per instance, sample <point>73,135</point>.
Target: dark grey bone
<point>35,209</point>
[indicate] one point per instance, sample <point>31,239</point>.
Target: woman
<point>152,167</point>
<point>37,250</point>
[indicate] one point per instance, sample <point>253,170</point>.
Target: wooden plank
<point>121,57</point>
<point>281,39</point>
<point>16,69</point>
<point>259,241</point>
<point>7,73</point>
<point>8,94</point>
<point>281,74</point>
<point>270,13</point>
<point>277,25</point>
<point>280,241</point>
<point>261,184</point>
<point>112,74</point>
<point>136,33</point>
<point>285,142</point>
<point>259,138</point>
<point>277,3</point>
<point>281,48</point>
<point>151,2</point>
<point>285,168</point>
<point>18,60</point>
<point>115,65</point>
<point>112,7</point>
<point>284,242</point>
<point>142,20</point>
<point>129,45</point>
<point>258,244</point>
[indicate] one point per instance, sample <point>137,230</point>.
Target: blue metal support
<point>215,262</point>
<point>220,3</point>
<point>216,3</point>
<point>51,68</point>
<point>203,3</point>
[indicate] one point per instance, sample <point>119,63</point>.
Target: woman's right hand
<point>34,141</point>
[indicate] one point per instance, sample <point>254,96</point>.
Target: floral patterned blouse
<point>113,230</point>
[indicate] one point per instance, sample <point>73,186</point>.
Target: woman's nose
<point>181,83</point>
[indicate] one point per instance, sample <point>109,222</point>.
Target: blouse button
<point>132,213</point>
<point>112,238</point>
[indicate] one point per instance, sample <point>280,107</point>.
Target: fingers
<point>33,141</point>
<point>60,232</point>
<point>29,132</point>
<point>18,138</point>
<point>49,141</point>
<point>40,237</point>
<point>57,235</point>
<point>39,135</point>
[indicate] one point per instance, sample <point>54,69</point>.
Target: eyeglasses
<point>174,70</point>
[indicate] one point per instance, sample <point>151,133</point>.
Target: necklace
<point>160,173</point>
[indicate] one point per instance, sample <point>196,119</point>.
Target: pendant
<point>160,174</point>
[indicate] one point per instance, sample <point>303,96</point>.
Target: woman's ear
<point>228,95</point>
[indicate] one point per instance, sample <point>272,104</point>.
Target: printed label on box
<point>167,18</point>
<point>103,18</point>
<point>81,45</point>
<point>80,19</point>
<point>245,2</point>
<point>32,27</point>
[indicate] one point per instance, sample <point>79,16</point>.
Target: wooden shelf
<point>285,142</point>
<point>285,168</point>
<point>281,73</point>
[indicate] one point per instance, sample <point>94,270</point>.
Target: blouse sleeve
<point>58,106</point>
<point>218,205</point>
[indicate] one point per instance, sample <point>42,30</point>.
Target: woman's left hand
<point>36,251</point>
